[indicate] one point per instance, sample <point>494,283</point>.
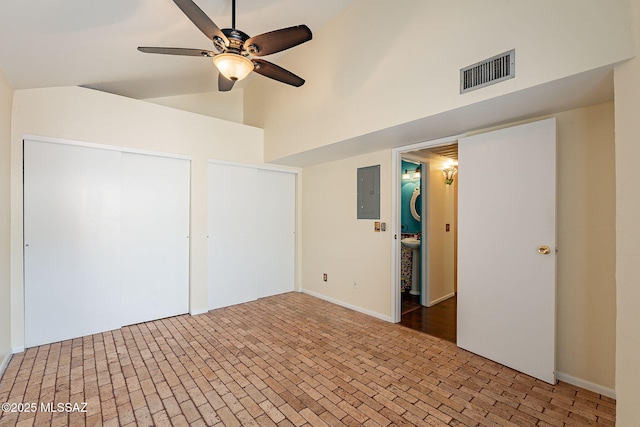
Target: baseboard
<point>432,303</point>
<point>596,388</point>
<point>197,312</point>
<point>4,363</point>
<point>18,349</point>
<point>349,306</point>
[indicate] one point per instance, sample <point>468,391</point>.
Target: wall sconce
<point>405,175</point>
<point>416,174</point>
<point>449,173</point>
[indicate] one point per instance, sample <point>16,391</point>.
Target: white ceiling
<point>92,43</point>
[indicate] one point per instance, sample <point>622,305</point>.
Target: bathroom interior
<point>428,215</point>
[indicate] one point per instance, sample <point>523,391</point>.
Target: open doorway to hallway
<point>428,261</point>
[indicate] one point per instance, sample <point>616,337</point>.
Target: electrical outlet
<point>324,277</point>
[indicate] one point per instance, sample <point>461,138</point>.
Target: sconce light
<point>406,175</point>
<point>449,173</point>
<point>416,174</point>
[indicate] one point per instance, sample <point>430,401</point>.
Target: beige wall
<point>345,248</point>
<point>6,96</point>
<point>375,66</point>
<point>441,242</point>
<point>85,115</point>
<point>336,243</point>
<point>586,315</point>
<point>222,105</point>
<point>627,128</point>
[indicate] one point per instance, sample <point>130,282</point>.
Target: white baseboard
<point>432,303</point>
<point>18,349</point>
<point>596,388</point>
<point>349,306</point>
<point>197,312</point>
<point>4,363</point>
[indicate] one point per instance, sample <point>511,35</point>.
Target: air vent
<point>490,71</point>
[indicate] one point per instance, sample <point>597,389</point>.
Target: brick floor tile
<point>287,360</point>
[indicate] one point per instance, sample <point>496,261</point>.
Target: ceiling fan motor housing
<point>236,39</point>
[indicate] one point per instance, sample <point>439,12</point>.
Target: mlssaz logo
<point>63,407</point>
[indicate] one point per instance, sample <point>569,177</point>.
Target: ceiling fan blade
<point>275,72</point>
<point>224,84</point>
<point>278,40</point>
<point>177,51</point>
<point>200,19</point>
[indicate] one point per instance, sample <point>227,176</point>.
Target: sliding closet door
<point>251,233</point>
<point>275,221</point>
<point>233,235</point>
<point>106,239</point>
<point>155,237</point>
<point>72,241</point>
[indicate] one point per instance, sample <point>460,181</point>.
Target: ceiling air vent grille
<point>490,71</point>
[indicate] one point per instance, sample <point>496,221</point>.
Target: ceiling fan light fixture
<point>233,66</point>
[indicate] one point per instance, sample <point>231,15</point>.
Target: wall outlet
<point>324,277</point>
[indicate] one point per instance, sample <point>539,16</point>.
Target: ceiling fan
<point>233,48</point>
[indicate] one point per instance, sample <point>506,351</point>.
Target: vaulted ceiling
<point>47,43</point>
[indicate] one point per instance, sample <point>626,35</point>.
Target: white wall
<point>345,248</point>
<point>6,96</point>
<point>627,129</point>
<point>376,66</point>
<point>222,105</point>
<point>85,115</point>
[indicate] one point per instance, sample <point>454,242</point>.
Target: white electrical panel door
<point>155,237</point>
<point>72,241</point>
<point>233,237</point>
<point>276,223</point>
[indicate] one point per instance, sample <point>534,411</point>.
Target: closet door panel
<point>72,241</point>
<point>275,221</point>
<point>232,269</point>
<point>155,244</point>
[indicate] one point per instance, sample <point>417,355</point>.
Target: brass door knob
<point>544,250</point>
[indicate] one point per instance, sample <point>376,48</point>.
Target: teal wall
<point>408,223</point>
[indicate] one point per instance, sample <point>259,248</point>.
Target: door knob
<point>544,250</point>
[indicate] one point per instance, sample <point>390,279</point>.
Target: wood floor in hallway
<point>438,320</point>
<point>286,360</point>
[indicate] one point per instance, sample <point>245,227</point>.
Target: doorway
<point>433,309</point>
<point>506,299</point>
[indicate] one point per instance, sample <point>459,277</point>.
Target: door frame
<point>396,193</point>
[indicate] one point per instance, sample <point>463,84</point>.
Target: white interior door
<point>155,237</point>
<point>506,287</point>
<point>72,241</point>
<point>232,235</point>
<point>275,221</point>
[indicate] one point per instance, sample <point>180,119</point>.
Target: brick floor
<point>287,360</point>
